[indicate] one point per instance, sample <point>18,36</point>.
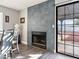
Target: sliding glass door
<point>68,29</point>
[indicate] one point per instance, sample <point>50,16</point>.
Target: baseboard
<point>23,42</point>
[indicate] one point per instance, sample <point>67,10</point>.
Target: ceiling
<point>19,4</point>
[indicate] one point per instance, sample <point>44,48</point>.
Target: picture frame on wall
<point>22,20</point>
<point>7,19</point>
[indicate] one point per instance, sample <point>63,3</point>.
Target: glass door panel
<point>76,29</point>
<point>68,36</point>
<point>69,9</point>
<point>68,29</point>
<point>60,11</point>
<point>60,29</point>
<point>60,36</point>
<point>76,8</point>
<point>76,37</point>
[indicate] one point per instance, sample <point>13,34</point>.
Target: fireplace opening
<point>39,39</point>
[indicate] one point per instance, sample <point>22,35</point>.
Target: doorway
<point>67,29</point>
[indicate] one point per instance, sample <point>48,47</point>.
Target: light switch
<point>53,26</point>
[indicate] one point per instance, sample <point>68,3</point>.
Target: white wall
<point>13,17</point>
<point>1,24</point>
<point>60,2</point>
<point>23,13</point>
<point>1,21</point>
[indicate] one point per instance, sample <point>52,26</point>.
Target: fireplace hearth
<point>39,39</point>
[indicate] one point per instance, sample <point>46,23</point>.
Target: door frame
<point>57,27</point>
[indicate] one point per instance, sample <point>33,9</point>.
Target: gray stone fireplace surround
<point>41,17</point>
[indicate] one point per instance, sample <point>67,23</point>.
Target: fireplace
<point>39,39</point>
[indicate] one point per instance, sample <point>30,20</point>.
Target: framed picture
<point>22,20</point>
<point>6,18</point>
